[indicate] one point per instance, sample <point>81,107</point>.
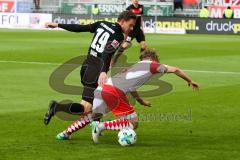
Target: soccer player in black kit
<point>106,40</point>
<point>137,31</point>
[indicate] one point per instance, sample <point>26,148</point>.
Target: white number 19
<point>100,40</point>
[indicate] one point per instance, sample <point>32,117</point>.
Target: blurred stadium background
<point>160,16</point>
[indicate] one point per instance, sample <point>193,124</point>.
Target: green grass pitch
<point>212,132</point>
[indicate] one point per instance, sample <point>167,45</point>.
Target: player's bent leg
<point>66,106</point>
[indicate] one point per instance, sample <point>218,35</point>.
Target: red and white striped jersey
<point>136,75</point>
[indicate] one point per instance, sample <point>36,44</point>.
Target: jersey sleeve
<point>162,68</point>
<point>112,45</point>
<point>94,26</point>
<point>156,67</point>
<point>79,28</point>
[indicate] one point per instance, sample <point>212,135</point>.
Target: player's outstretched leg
<point>68,107</point>
<point>83,121</point>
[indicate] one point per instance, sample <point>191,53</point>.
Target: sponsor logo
<point>110,9</point>
<point>155,10</point>
<point>184,24</point>
<point>164,25</point>
<point>115,44</point>
<point>8,19</point>
<point>72,20</point>
<point>218,11</point>
<point>6,6</point>
<point>223,2</point>
<point>83,21</point>
<point>223,27</point>
<point>80,9</point>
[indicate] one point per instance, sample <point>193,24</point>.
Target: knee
<point>87,106</point>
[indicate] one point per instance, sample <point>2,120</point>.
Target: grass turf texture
<point>213,132</point>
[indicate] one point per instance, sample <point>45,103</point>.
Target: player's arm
<point>73,27</point>
<point>179,73</point>
<point>139,99</point>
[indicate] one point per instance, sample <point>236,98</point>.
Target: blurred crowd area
<point>176,8</point>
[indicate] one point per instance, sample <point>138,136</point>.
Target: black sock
<point>70,108</point>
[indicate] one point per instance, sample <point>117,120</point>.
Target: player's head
<point>135,2</point>
<point>127,20</point>
<point>149,54</point>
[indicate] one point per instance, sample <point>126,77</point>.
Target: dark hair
<point>126,16</point>
<point>149,53</point>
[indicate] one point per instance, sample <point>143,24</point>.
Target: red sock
<point>80,123</point>
<point>117,124</point>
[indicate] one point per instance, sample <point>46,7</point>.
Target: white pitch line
<point>57,64</point>
<point>25,62</point>
<point>218,72</point>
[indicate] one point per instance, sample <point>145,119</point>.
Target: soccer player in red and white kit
<point>112,96</point>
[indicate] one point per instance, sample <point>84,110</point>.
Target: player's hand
<point>143,102</point>
<point>194,85</point>
<point>102,78</point>
<point>51,25</point>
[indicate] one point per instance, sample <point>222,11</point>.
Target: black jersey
<point>106,40</point>
<point>138,11</point>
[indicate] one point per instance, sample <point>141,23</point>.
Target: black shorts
<point>138,34</point>
<point>90,72</point>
